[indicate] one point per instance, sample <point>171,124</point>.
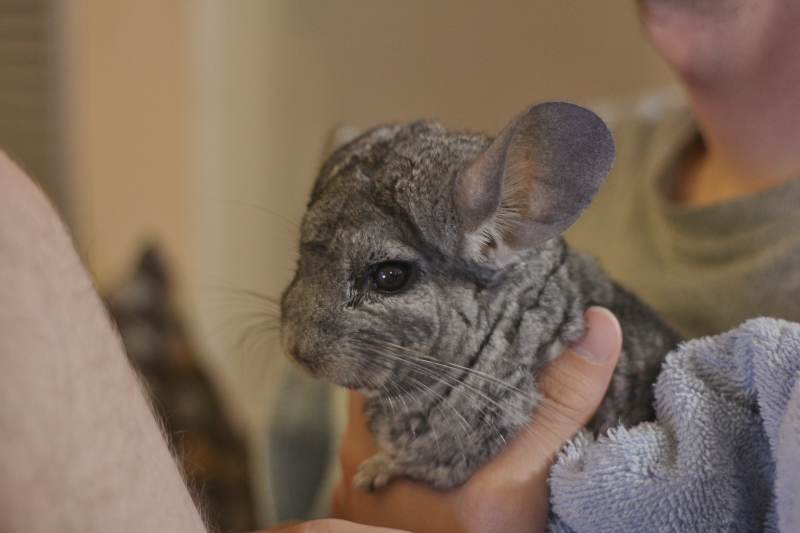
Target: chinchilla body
<point>433,279</point>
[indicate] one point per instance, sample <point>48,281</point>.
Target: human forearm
<point>80,449</point>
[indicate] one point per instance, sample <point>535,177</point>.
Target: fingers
<point>328,526</point>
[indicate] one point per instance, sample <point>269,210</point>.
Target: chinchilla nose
<point>308,340</point>
<point>295,347</point>
<point>310,318</point>
<point>305,333</point>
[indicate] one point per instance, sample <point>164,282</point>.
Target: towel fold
<point>722,455</point>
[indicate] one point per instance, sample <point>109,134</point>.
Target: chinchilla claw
<point>374,473</point>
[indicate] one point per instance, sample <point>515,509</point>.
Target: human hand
<point>327,526</point>
<point>509,493</point>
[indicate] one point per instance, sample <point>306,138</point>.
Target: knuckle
<point>569,395</point>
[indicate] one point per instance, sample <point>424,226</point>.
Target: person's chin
<point>679,31</point>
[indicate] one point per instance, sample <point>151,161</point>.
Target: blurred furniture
<point>212,453</point>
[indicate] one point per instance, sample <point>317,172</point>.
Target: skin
<point>76,427</point>
<point>46,292</point>
<point>737,62</point>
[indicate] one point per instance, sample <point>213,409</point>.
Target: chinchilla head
<point>413,233</point>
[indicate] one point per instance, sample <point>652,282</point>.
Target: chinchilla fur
<point>485,290</point>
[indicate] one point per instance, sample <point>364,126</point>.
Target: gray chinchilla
<point>432,278</point>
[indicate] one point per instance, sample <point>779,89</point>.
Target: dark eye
<point>391,276</point>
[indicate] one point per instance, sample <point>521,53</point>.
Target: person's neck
<point>751,140</point>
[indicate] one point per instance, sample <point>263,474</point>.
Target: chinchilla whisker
<point>453,382</point>
<point>481,395</point>
<point>422,356</point>
<point>245,318</point>
<point>244,292</point>
<point>404,357</point>
<point>462,421</point>
<point>416,365</point>
<point>252,332</point>
<point>238,331</point>
<point>251,360</point>
<point>401,397</point>
<point>523,421</point>
<point>435,376</point>
<point>374,351</point>
<point>389,398</point>
<point>418,356</point>
<point>283,218</point>
<point>255,313</point>
<point>240,303</point>
<point>255,346</point>
<point>426,371</point>
<point>463,424</point>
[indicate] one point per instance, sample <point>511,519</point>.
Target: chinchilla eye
<point>391,276</point>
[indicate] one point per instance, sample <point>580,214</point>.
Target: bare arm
<point>79,447</point>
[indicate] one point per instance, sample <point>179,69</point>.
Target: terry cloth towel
<point>722,455</point>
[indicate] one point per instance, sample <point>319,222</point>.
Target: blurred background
<point>179,139</point>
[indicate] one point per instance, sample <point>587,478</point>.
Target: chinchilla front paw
<point>375,473</point>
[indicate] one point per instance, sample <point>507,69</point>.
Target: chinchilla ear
<point>533,181</point>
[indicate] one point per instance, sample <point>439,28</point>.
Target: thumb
<point>574,385</point>
<point>572,388</point>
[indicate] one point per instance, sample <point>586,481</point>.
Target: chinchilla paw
<point>375,473</point>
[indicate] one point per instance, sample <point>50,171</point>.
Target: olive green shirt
<point>704,269</point>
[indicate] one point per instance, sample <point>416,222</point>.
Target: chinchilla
<point>433,279</point>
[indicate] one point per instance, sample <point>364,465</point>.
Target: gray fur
<point>448,365</point>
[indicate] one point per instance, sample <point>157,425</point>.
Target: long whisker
<point>421,358</point>
<point>453,382</point>
<point>244,292</point>
<point>463,421</point>
<point>477,392</point>
<point>469,389</point>
<point>418,364</point>
<point>283,218</point>
<point>436,362</point>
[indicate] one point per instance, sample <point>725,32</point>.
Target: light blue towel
<point>722,455</point>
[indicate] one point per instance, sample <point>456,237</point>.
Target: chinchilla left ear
<point>533,181</point>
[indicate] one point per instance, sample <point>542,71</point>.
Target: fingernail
<point>602,337</point>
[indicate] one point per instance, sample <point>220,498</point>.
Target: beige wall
<point>127,81</point>
<point>200,123</point>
